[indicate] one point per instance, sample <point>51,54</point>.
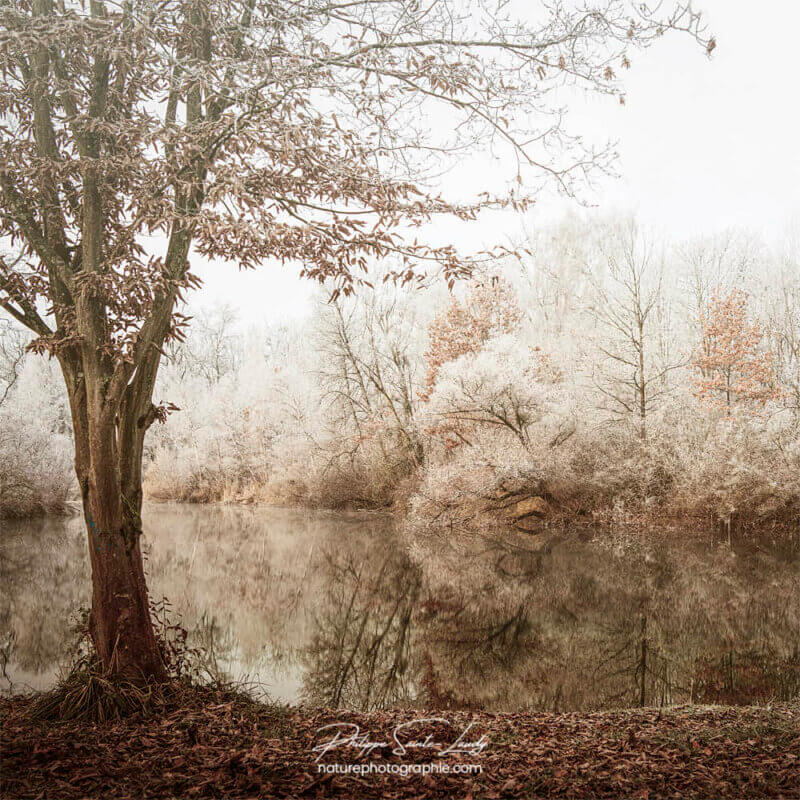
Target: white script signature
<point>348,735</point>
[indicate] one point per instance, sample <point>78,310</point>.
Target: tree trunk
<point>642,385</point>
<point>120,622</point>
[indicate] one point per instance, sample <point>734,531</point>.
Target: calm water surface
<point>337,610</point>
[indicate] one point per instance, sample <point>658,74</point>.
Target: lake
<point>338,609</point>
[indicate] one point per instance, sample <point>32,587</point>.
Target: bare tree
<point>13,341</point>
<point>247,130</point>
<point>785,332</point>
<point>712,264</point>
<point>211,350</point>
<point>369,373</point>
<point>629,310</point>
<point>782,315</point>
<point>555,270</point>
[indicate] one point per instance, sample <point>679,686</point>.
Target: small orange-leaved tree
<point>732,363</point>
<point>464,326</point>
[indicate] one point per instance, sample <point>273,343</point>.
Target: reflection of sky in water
<point>326,608</point>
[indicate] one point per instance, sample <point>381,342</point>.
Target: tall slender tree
<point>135,132</point>
<point>631,314</point>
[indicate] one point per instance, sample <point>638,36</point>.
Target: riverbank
<point>205,743</point>
<point>482,501</point>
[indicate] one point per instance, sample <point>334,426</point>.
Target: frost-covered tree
<point>211,349</point>
<point>713,263</point>
<point>733,364</point>
<point>489,309</point>
<point>556,272</point>
<point>782,321</point>
<point>12,353</point>
<point>369,370</point>
<point>630,310</point>
<point>248,130</point>
<point>506,385</point>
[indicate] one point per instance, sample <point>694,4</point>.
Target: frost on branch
<point>489,309</point>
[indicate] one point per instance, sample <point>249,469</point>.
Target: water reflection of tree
<point>592,627</point>
<point>508,625</point>
<point>242,579</point>
<point>213,647</point>
<point>478,656</point>
<point>43,568</point>
<point>360,654</point>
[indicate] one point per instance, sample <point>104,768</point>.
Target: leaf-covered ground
<point>213,745</point>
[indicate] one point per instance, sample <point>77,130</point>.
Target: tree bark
<point>120,623</point>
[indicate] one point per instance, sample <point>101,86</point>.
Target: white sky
<point>704,144</point>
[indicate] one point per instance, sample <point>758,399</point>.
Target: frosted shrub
<point>36,472</point>
<point>507,384</point>
<point>344,473</point>
<point>745,466</point>
<point>489,309</point>
<point>216,447</point>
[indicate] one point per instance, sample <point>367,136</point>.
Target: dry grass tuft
<point>92,697</point>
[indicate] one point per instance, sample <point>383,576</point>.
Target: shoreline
<point>562,517</point>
